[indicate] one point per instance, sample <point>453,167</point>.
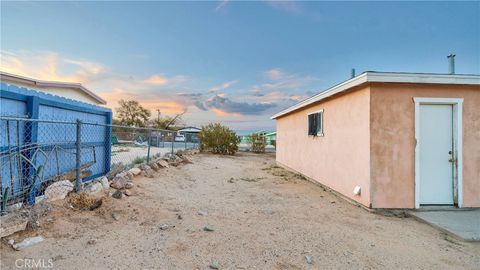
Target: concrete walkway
<point>464,225</point>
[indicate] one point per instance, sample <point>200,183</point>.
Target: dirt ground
<point>262,217</point>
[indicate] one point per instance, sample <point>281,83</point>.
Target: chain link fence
<point>46,157</point>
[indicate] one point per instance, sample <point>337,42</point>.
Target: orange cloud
<point>221,113</point>
<point>49,66</point>
<point>166,106</point>
<point>157,80</point>
<point>223,86</point>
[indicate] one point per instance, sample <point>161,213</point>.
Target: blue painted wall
<point>26,103</point>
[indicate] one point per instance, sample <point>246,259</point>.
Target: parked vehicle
<point>180,137</point>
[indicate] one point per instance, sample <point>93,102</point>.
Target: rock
<point>128,185</point>
<point>332,201</point>
<point>202,213</point>
<point>309,259</point>
<point>155,167</point>
<point>118,182</point>
<point>11,242</point>
<point>162,163</point>
<point>58,190</point>
<point>121,174</point>
<point>127,192</point>
<point>208,229</point>
<point>145,167</point>
<point>115,169</point>
<point>179,216</point>
<point>117,194</point>
<point>115,216</point>
<point>148,173</point>
<point>27,242</point>
<point>135,171</point>
<point>12,223</point>
<point>130,175</point>
<point>164,227</point>
<point>104,182</point>
<point>175,159</point>
<point>186,160</point>
<point>96,204</point>
<point>92,242</point>
<point>174,163</point>
<point>94,188</point>
<point>215,265</point>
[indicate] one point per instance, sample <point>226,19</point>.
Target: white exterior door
<point>436,153</point>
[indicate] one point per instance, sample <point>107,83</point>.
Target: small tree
<point>167,122</point>
<point>258,143</point>
<point>131,113</point>
<point>218,139</point>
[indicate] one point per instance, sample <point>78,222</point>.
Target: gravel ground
<point>262,217</point>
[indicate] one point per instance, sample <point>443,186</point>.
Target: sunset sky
<point>231,62</point>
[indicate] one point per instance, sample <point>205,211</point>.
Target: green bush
<point>258,143</point>
<point>218,139</point>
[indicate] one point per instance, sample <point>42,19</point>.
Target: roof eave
<point>386,77</point>
<point>34,82</point>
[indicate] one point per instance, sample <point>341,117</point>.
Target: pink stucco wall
<point>370,141</point>
<point>340,159</point>
<point>392,141</point>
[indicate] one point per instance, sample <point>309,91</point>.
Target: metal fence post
<point>149,133</point>
<point>173,141</point>
<point>186,136</point>
<point>78,155</point>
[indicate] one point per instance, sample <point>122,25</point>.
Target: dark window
<point>315,124</point>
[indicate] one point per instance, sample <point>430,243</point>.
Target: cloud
<point>50,66</point>
<point>221,5</point>
<point>223,86</point>
<point>277,96</point>
<point>169,93</point>
<point>155,91</point>
<point>222,106</point>
<point>280,80</point>
<point>157,80</point>
<point>148,100</point>
<point>281,88</point>
<point>193,99</point>
<point>292,7</point>
<point>274,74</point>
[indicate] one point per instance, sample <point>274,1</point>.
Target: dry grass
<point>83,201</point>
<point>281,172</point>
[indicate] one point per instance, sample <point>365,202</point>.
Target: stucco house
<point>389,140</point>
<point>74,91</point>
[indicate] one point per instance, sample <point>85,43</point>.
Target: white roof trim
<point>189,129</point>
<point>40,83</point>
<point>387,77</point>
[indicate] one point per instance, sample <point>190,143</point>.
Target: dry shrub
<point>218,139</point>
<point>83,201</point>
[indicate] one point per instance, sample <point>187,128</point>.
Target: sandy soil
<point>262,217</point>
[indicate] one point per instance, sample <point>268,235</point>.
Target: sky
<point>231,62</point>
